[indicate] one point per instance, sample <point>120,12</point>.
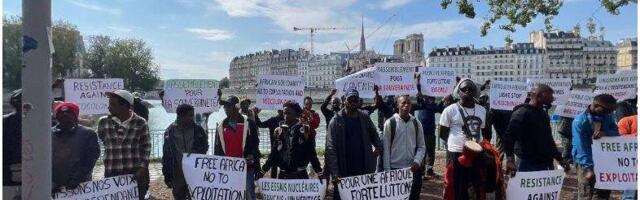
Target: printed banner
<point>275,90</point>
<point>391,185</point>
<point>560,86</point>
<point>575,103</point>
<point>621,86</point>
<point>215,177</point>
<point>202,94</point>
<point>536,185</point>
<point>311,189</point>
<point>504,95</point>
<point>118,187</point>
<point>362,81</point>
<point>90,93</point>
<point>437,81</point>
<point>615,163</point>
<point>396,78</point>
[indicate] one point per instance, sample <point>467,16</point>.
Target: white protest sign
<point>291,188</point>
<point>90,93</point>
<point>118,187</point>
<point>536,185</point>
<point>575,103</point>
<point>275,90</point>
<point>215,177</point>
<point>504,95</point>
<point>396,78</point>
<point>615,163</point>
<point>391,185</point>
<point>202,94</point>
<point>560,86</point>
<point>362,81</point>
<point>437,81</point>
<point>621,86</point>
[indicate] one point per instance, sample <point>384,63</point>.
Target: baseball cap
<point>126,95</point>
<point>230,100</point>
<point>351,92</point>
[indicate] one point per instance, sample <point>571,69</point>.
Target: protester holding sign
<point>310,118</point>
<point>595,122</point>
<point>350,138</point>
<point>182,136</point>
<point>404,140</point>
<point>271,123</point>
<point>293,148</point>
<point>126,139</point>
<point>529,135</point>
<point>75,149</point>
<point>237,137</point>
<point>426,115</point>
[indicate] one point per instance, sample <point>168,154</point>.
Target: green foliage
<point>67,43</point>
<point>224,83</point>
<point>12,52</point>
<point>591,26</point>
<point>577,29</point>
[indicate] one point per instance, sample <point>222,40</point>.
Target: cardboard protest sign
<point>275,90</point>
<point>202,94</point>
<point>396,78</point>
<point>437,81</point>
<point>536,185</point>
<point>122,187</point>
<point>90,93</point>
<point>621,86</point>
<point>362,81</point>
<point>615,162</point>
<point>561,88</point>
<point>576,102</point>
<point>215,177</point>
<point>391,185</point>
<point>504,95</point>
<point>291,188</point>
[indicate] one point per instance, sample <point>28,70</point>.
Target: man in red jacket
<point>311,120</point>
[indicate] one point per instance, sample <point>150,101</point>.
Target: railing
<point>157,140</point>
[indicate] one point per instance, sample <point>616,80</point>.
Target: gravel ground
<point>432,188</point>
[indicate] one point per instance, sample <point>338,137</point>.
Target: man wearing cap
<point>12,144</point>
<point>349,141</point>
<point>237,137</point>
<point>125,136</point>
<point>75,149</point>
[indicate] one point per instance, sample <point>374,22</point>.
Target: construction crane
<point>312,30</point>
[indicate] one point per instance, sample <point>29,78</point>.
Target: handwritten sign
<point>90,93</point>
<point>119,187</point>
<point>615,163</point>
<point>391,185</point>
<point>621,86</point>
<point>536,185</point>
<point>274,90</point>
<point>575,104</point>
<point>362,81</point>
<point>202,94</point>
<point>396,78</point>
<point>504,95</point>
<point>437,81</point>
<point>292,188</point>
<point>561,88</point>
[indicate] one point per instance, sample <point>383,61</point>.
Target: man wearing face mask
<point>595,122</point>
<point>529,135</point>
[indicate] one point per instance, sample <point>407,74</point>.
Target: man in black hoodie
<point>529,135</point>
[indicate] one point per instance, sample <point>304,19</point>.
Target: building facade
<point>564,54</point>
<point>320,71</point>
<point>599,58</point>
<point>627,54</point>
<point>410,49</point>
<point>519,62</point>
<point>244,70</point>
<point>461,59</point>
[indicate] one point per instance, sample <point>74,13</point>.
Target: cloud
<point>95,7</point>
<point>120,29</point>
<point>389,4</point>
<point>211,34</point>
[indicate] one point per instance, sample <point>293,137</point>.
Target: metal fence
<point>157,140</point>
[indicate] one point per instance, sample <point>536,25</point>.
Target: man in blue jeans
<point>529,135</point>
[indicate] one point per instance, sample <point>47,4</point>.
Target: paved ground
<point>431,189</point>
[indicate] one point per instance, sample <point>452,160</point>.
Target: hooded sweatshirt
<point>529,135</point>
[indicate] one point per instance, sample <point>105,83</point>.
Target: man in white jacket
<point>403,141</point>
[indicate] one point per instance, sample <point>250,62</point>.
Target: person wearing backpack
<point>404,140</point>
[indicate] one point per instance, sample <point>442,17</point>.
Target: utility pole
<point>36,98</point>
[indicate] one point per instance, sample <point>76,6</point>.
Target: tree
<point>95,59</point>
<point>521,13</point>
<point>224,83</point>
<point>66,42</point>
<point>576,29</point>
<point>12,51</point>
<point>591,26</point>
<point>131,60</point>
<point>508,41</point>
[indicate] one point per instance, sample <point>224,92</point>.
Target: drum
<point>470,151</point>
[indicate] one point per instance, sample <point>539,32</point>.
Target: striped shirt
<point>127,144</point>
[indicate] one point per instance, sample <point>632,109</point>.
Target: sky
<point>199,38</point>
